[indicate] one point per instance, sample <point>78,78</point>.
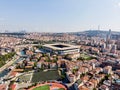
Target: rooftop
<point>60,46</point>
<point>3,87</point>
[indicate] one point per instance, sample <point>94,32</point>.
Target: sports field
<point>45,87</point>
<point>45,76</point>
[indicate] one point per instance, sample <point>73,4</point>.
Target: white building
<point>61,48</point>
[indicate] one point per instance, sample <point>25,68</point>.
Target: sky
<point>59,15</point>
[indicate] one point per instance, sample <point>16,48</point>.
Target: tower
<point>108,37</point>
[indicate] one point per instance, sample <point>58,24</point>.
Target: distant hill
<point>96,33</point>
<point>91,33</point>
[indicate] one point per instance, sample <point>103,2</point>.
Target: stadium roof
<point>60,46</point>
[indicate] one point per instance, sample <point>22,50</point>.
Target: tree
<point>6,57</point>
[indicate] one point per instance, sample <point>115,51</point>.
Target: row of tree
<point>4,58</point>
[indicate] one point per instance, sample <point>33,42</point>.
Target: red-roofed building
<point>13,87</point>
<point>3,87</point>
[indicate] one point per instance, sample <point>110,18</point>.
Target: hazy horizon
<point>59,15</point>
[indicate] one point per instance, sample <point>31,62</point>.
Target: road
<point>9,63</point>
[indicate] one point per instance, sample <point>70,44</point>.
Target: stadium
<point>61,48</point>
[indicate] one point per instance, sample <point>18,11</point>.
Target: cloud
<point>118,4</point>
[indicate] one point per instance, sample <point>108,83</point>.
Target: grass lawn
<point>61,89</point>
<point>45,87</point>
<point>45,76</point>
<point>86,57</point>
